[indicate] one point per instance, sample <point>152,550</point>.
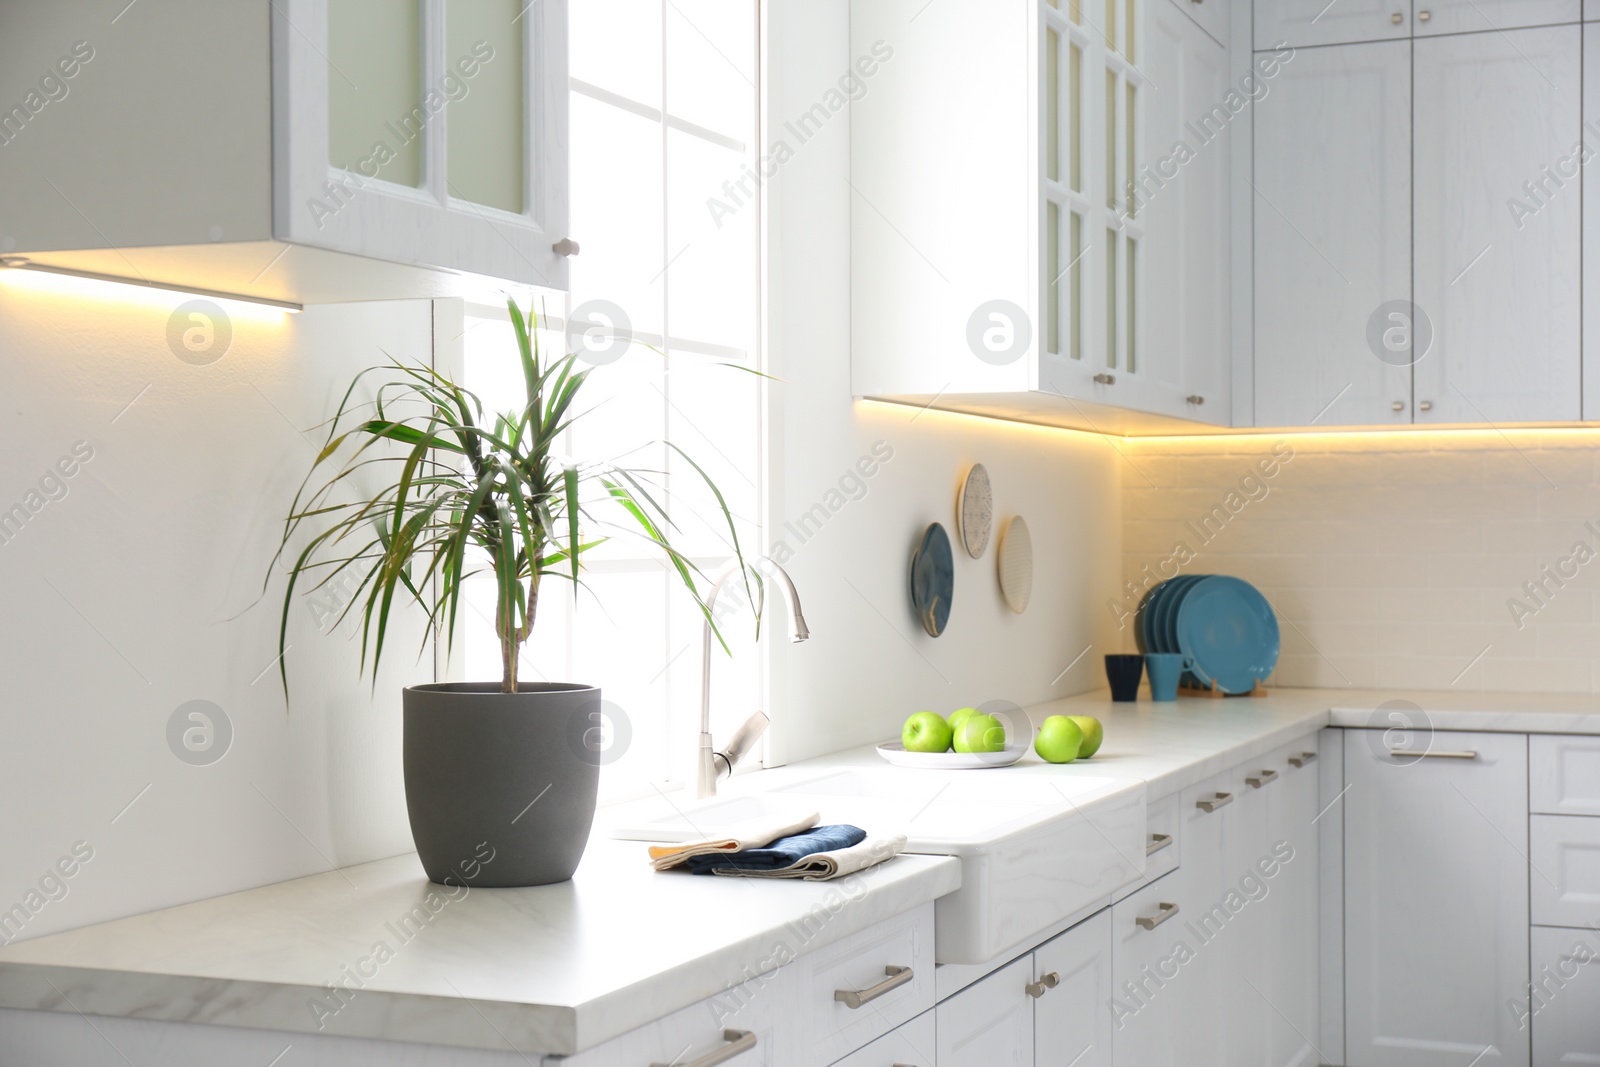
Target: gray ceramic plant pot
<point>500,786</point>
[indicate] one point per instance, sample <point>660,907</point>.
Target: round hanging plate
<point>1016,564</point>
<point>933,577</point>
<point>975,511</point>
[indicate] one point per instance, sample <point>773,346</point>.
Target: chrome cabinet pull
<point>1397,18</point>
<point>1302,759</point>
<point>1106,379</point>
<point>1157,843</point>
<point>1256,781</point>
<point>1196,399</point>
<point>1150,922</point>
<point>1407,753</point>
<point>1398,405</point>
<point>738,1041</point>
<point>565,247</point>
<point>850,998</point>
<point>1045,983</point>
<point>1219,800</point>
<point>1426,405</point>
<point>1424,16</point>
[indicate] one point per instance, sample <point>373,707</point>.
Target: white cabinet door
<point>1183,197</point>
<point>1071,1023</point>
<point>990,1023</point>
<point>431,133</point>
<point>1591,222</point>
<point>1153,955</point>
<point>1287,866</point>
<point>1497,260</point>
<point>1436,901</point>
<point>1564,887</point>
<point>1487,16</point>
<point>1313,22</point>
<point>1332,210</point>
<point>1564,1005</point>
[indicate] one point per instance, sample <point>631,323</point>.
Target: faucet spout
<point>711,764</point>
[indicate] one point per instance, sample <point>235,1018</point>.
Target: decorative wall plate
<point>933,578</point>
<point>1016,564</point>
<point>975,511</point>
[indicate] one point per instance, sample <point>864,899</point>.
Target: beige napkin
<point>751,833</point>
<point>822,866</point>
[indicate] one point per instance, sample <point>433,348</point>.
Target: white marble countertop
<point>553,969</point>
<point>558,969</point>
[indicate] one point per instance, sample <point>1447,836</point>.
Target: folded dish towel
<point>740,837</point>
<point>784,852</point>
<point>821,866</point>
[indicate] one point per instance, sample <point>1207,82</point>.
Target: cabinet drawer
<point>1564,775</point>
<point>1161,855</point>
<point>1565,886</point>
<point>698,1031</point>
<point>868,969</point>
<point>1564,1001</point>
<point>1154,999</point>
<point>908,1045</point>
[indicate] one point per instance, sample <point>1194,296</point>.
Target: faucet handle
<point>742,741</point>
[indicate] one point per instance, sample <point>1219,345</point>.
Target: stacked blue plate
<point>1223,626</point>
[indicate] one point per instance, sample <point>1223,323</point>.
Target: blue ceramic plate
<point>1155,604</point>
<point>1227,627</point>
<point>1167,618</point>
<point>1145,619</point>
<point>933,580</point>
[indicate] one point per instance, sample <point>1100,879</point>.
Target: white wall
<point>869,664</point>
<point>132,595</point>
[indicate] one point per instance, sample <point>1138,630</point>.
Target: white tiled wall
<point>1394,560</point>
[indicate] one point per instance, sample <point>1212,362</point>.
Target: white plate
<point>895,752</point>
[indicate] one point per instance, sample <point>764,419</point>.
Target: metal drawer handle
<point>850,998</point>
<point>1157,843</point>
<point>738,1041</point>
<point>1105,379</point>
<point>1196,399</point>
<point>1150,922</point>
<point>567,247</point>
<point>1256,781</point>
<point>1045,983</point>
<point>1406,753</point>
<point>1397,18</point>
<point>1220,800</point>
<point>1302,759</point>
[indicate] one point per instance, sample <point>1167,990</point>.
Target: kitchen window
<point>665,301</point>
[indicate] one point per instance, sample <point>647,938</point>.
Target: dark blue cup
<point>1123,671</point>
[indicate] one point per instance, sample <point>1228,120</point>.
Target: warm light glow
<point>1417,438</point>
<point>81,285</point>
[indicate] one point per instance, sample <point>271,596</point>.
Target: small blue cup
<point>1166,668</point>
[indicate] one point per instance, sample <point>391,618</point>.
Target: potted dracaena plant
<point>507,765</point>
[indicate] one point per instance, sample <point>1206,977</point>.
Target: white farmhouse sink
<point>1036,843</point>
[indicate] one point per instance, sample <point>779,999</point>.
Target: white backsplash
<point>1426,560</point>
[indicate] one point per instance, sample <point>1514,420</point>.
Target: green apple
<point>1059,740</point>
<point>926,731</point>
<point>959,714</point>
<point>980,733</point>
<point>1093,734</point>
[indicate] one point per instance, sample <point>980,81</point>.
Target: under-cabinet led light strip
<point>23,263</point>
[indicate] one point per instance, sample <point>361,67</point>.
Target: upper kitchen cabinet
<point>1497,243</point>
<point>295,150</point>
<point>1435,17</point>
<point>1028,238</point>
<point>1332,203</point>
<point>1417,236</point>
<point>1301,23</point>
